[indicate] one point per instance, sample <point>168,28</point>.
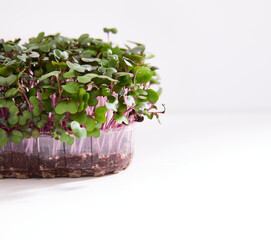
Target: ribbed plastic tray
<point>47,157</point>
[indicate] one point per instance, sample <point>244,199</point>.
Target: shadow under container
<point>46,157</point>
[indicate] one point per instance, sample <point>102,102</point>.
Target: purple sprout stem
<point>91,147</point>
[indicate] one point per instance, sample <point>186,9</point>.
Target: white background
<point>205,172</point>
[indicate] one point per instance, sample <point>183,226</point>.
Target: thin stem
<point>59,90</point>
<point>26,98</point>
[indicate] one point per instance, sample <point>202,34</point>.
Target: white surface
<point>193,177</point>
<point>213,55</point>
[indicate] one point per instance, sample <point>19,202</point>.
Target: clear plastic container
<point>47,157</point>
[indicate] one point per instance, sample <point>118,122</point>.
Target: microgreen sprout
<point>73,87</point>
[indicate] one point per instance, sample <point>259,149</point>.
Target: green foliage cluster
<point>67,87</point>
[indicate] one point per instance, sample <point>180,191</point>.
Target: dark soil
<point>22,165</point>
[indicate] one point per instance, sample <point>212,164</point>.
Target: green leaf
<point>7,81</point>
<point>38,39</point>
<point>95,133</point>
<point>46,93</point>
<point>113,30</point>
<point>77,130</point>
<point>16,136</point>
<point>110,71</point>
<point>100,114</point>
<point>57,53</point>
<point>85,100</point>
<point>66,106</point>
<point>27,133</point>
<point>159,91</point>
<point>38,72</point>
<point>35,133</point>
<point>106,77</point>
<point>59,65</point>
<point>69,74</point>
<point>55,135</point>
<point>65,137</point>
<point>137,49</point>
<point>27,115</point>
<point>4,72</point>
<point>88,77</point>
<point>124,80</point>
<point>120,74</point>
<point>76,67</point>
<point>36,103</point>
<point>133,93</point>
<point>34,55</point>
<point>43,121</point>
<point>81,118</point>
<point>113,104</point>
<point>47,105</point>
<point>60,55</point>
<point>142,92</point>
<point>106,91</point>
<point>50,74</point>
<point>92,101</point>
<point>59,117</point>
<point>122,108</point>
<point>31,48</point>
<point>91,59</point>
<point>141,106</point>
<point>142,97</point>
<point>102,69</point>
<point>11,92</point>
<point>143,74</point>
<point>88,67</point>
<point>116,50</point>
<point>106,30</point>
<point>90,124</point>
<point>130,101</point>
<point>118,89</point>
<point>152,96</point>
<point>98,125</point>
<point>23,57</point>
<point>149,56</point>
<point>45,48</point>
<point>13,119</point>
<point>4,103</point>
<point>71,87</point>
<point>81,93</point>
<point>7,47</point>
<point>127,62</point>
<point>13,110</point>
<point>83,37</point>
<point>120,118</point>
<point>3,137</point>
<point>89,53</point>
<point>109,63</point>
<point>50,67</point>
